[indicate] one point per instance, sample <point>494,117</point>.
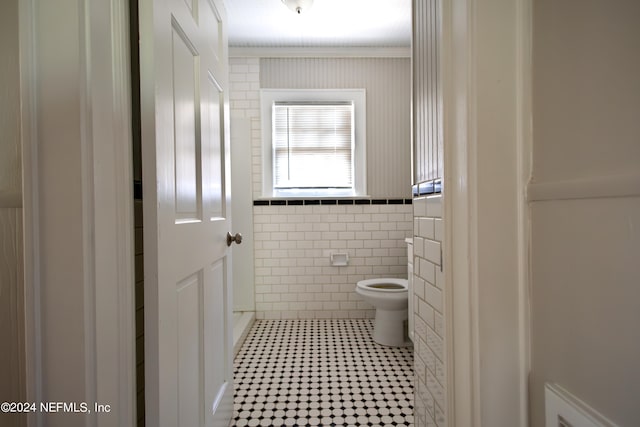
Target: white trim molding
<point>31,208</point>
<point>461,321</point>
<point>627,185</point>
<point>357,96</point>
<point>524,154</point>
<point>78,208</point>
<point>112,216</point>
<point>320,52</point>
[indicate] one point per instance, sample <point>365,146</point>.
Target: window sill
<point>314,194</point>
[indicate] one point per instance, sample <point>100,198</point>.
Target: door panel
<point>186,132</point>
<point>215,179</point>
<point>212,22</point>
<point>189,350</point>
<point>217,324</point>
<point>188,336</point>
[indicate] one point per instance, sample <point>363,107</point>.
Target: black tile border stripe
<point>331,202</point>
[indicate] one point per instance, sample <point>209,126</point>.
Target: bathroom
<point>546,272</point>
<point>293,243</point>
<point>294,240</point>
<point>285,268</point>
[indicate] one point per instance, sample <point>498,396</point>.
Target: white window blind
<point>313,144</point>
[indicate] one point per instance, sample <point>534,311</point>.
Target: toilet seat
<point>384,285</point>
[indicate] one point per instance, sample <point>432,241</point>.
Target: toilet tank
<point>410,285</point>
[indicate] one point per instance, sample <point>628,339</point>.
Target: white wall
<point>10,157</point>
<point>12,367</point>
<point>241,211</point>
<point>585,205</point>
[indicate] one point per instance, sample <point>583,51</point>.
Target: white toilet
<point>390,298</point>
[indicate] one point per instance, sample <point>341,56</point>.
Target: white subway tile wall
<point>428,312</point>
<point>244,96</point>
<point>293,246</point>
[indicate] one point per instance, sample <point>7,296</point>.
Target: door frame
<point>97,92</point>
<point>464,37</point>
<point>109,322</point>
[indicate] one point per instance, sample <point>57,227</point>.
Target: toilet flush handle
<point>231,238</point>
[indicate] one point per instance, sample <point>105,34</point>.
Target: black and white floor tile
<point>321,373</point>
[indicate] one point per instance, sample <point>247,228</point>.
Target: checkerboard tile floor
<point>321,373</point>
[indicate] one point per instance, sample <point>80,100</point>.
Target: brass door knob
<point>231,238</point>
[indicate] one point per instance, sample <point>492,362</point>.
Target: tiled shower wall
<point>293,243</point>
<point>244,94</point>
<point>428,312</point>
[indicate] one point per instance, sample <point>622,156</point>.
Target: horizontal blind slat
<point>313,145</point>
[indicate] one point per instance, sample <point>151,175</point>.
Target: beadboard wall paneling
<point>387,84</point>
<point>427,91</point>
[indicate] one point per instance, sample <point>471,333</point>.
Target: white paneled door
<point>188,342</point>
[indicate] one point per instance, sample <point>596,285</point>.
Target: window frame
<point>358,96</point>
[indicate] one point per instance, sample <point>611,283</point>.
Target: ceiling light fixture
<point>298,5</point>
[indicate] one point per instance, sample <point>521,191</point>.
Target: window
<point>309,139</point>
<point>313,143</point>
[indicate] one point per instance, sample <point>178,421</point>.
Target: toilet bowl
<point>390,299</point>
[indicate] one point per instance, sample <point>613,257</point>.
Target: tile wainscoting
<point>293,245</point>
<point>428,311</point>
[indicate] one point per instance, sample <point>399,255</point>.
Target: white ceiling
<point>328,23</point>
